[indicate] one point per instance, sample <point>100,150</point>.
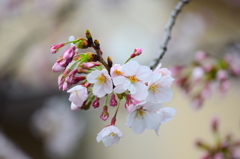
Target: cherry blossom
<point>78,95</point>
<point>144,117</point>
<point>109,135</point>
<point>162,71</point>
<point>134,79</point>
<point>116,70</point>
<point>159,88</point>
<point>102,82</point>
<point>166,114</point>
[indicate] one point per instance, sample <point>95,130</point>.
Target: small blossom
<point>102,82</point>
<point>131,103</point>
<point>134,79</point>
<point>159,88</point>
<point>116,70</point>
<point>166,114</point>
<point>78,95</point>
<point>109,135</point>
<point>162,71</point>
<point>144,117</point>
<point>197,73</point>
<point>137,52</point>
<point>200,55</point>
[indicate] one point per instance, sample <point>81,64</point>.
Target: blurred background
<point>35,117</point>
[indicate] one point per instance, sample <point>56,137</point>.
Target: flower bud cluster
<point>207,71</point>
<point>89,78</point>
<point>224,147</point>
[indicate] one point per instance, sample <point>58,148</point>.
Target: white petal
<point>152,106</point>
<point>167,114</point>
<point>119,80</point>
<point>166,81</point>
<point>165,94</point>
<point>91,77</point>
<point>78,87</point>
<point>152,120</point>
<point>74,107</point>
<point>99,91</point>
<point>138,125</point>
<point>119,89</point>
<point>130,118</point>
<point>130,68</point>
<point>108,87</point>
<point>131,88</point>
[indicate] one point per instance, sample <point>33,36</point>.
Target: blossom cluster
<point>224,147</point>
<point>88,78</point>
<point>205,73</point>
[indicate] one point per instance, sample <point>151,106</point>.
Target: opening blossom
<point>133,79</point>
<point>89,78</point>
<point>109,135</point>
<point>102,82</point>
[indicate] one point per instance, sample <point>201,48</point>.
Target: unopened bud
<point>69,53</point>
<point>77,79</point>
<point>137,52</point>
<point>113,101</point>
<point>61,79</point>
<point>55,48</point>
<point>104,116</point>
<point>97,44</point>
<point>109,60</point>
<point>82,70</point>
<point>200,55</point>
<point>202,145</point>
<point>58,68</point>
<point>88,34</point>
<point>214,124</point>
<point>96,103</point>
<point>82,44</point>
<point>87,65</point>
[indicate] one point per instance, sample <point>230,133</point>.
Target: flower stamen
<point>101,79</point>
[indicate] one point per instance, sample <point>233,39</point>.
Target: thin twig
<point>168,29</point>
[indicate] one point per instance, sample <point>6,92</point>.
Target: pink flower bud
<point>58,68</point>
<point>69,53</point>
<point>214,124</point>
<point>87,65</point>
<point>113,101</point>
<point>55,48</point>
<point>222,75</point>
<point>64,63</point>
<point>104,116</point>
<point>77,79</point>
<point>200,55</point>
<point>223,86</point>
<point>130,103</point>
<point>65,86</point>
<point>96,103</point>
<point>138,51</point>
<point>197,102</point>
<point>61,79</point>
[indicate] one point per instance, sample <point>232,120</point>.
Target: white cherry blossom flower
<point>144,117</point>
<point>78,95</point>
<point>166,114</point>
<point>109,135</point>
<point>116,70</point>
<point>162,71</point>
<point>102,82</point>
<point>159,88</point>
<point>133,79</point>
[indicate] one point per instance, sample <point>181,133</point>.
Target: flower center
<point>133,79</point>
<point>118,73</point>
<point>101,79</point>
<point>140,113</point>
<point>76,92</point>
<point>154,88</point>
<point>111,134</point>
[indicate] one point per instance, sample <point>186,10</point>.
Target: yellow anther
<point>133,79</point>
<point>154,88</point>
<point>118,73</point>
<point>101,79</point>
<point>140,113</point>
<point>111,134</point>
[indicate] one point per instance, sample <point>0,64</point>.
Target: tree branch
<point>167,36</point>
